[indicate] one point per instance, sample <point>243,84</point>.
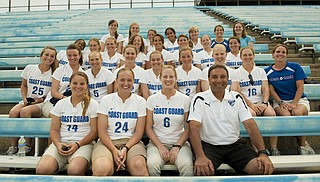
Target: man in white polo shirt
<point>215,117</point>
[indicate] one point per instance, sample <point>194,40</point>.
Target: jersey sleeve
<point>56,110</point>
<point>26,72</point>
<point>142,107</point>
<point>195,111</point>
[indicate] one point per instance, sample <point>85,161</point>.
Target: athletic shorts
<point>236,155</point>
<point>303,101</point>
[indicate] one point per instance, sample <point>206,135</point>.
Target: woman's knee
<point>102,167</point>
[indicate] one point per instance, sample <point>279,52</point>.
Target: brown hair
<point>142,42</point>
<point>280,45</point>
<point>73,46</point>
<point>245,49</point>
<point>244,32</point>
<point>168,67</point>
<point>131,25</point>
<point>184,49</point>
<point>54,65</point>
<point>114,21</point>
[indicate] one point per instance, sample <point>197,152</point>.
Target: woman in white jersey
<point>130,54</point>
<point>204,59</point>
<point>35,85</point>
<point>121,123</point>
<point>188,80</point>
<point>134,29</point>
<point>233,57</point>
<point>73,130</point>
<point>111,59</point>
<point>150,82</point>
<point>113,32</point>
<point>255,90</point>
<point>151,33</point>
<point>100,78</point>
<point>137,41</point>
<point>171,44</point>
<point>61,79</point>
<point>183,42</point>
<point>94,45</point>
<point>194,39</point>
<point>167,113</point>
<point>62,55</point>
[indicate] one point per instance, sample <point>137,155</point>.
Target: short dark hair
<point>217,66</point>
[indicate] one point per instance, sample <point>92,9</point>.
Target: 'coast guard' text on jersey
<point>188,82</point>
<point>204,58</point>
<point>284,81</point>
<point>220,120</point>
<point>233,61</point>
<point>168,115</point>
<point>38,84</point>
<point>122,116</point>
<point>111,62</point>
<point>252,92</point>
<point>74,126</point>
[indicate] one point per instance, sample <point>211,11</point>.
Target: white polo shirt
<point>220,121</point>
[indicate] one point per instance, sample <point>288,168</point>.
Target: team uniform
<point>150,48</point>
<point>167,56</point>
<point>38,84</point>
<point>103,39</point>
<point>224,42</point>
<point>153,82</point>
<point>141,59</point>
<point>220,128</point>
<point>188,82</point>
<point>98,86</point>
<point>284,82</point>
<point>122,119</point>
<point>138,74</point>
<point>175,57</point>
<point>198,47</point>
<point>171,47</point>
<point>233,61</point>
<point>62,57</point>
<point>126,41</point>
<point>204,58</point>
<point>244,41</point>
<point>86,61</point>
<point>111,62</point>
<point>168,125</point>
<point>233,76</point>
<point>252,92</point>
<point>74,127</point>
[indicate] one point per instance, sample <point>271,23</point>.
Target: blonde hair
<point>164,67</point>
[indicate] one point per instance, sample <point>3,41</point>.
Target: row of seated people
<point>49,86</point>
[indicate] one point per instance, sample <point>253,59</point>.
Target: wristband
<point>78,144</point>
<point>176,145</point>
<point>266,152</point>
<point>126,147</point>
<point>266,103</point>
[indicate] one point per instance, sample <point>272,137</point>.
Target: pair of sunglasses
<point>251,79</point>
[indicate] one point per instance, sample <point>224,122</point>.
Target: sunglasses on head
<point>251,79</point>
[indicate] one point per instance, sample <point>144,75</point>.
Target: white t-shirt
<point>111,63</point>
<point>252,92</point>
<point>104,38</point>
<point>153,82</point>
<point>220,120</point>
<point>171,47</point>
<point>74,126</point>
<point>233,61</point>
<point>98,85</point>
<point>138,74</point>
<point>38,84</point>
<point>168,115</point>
<point>141,59</point>
<point>204,59</point>
<point>188,82</point>
<point>122,116</point>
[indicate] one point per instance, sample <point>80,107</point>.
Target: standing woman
<point>286,83</point>
<point>240,32</point>
<point>61,79</point>
<point>204,59</point>
<point>73,130</point>
<point>113,32</point>
<point>111,59</point>
<point>100,78</point>
<point>94,45</point>
<point>137,41</point>
<point>194,39</point>
<point>233,57</point>
<point>167,127</point>
<point>150,82</point>
<point>121,124</point>
<point>36,83</point>
<point>218,31</point>
<point>130,54</point>
<point>188,75</point>
<point>255,90</point>
<point>158,41</point>
<point>171,44</point>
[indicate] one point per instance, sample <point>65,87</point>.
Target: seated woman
<point>73,129</point>
<point>167,113</point>
<point>36,83</point>
<point>121,123</point>
<point>286,84</point>
<point>255,90</point>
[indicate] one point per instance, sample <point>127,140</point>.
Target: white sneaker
<point>306,150</point>
<point>12,150</point>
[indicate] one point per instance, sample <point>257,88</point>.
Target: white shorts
<point>303,101</point>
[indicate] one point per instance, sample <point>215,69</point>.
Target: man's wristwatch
<point>265,151</point>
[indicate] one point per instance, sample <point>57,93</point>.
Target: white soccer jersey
<point>187,82</point>
<point>122,116</point>
<point>111,63</point>
<point>198,47</point>
<point>204,59</point>
<point>104,38</point>
<point>138,74</point>
<point>252,92</point>
<point>233,76</point>
<point>153,82</point>
<point>168,115</point>
<point>141,59</point>
<point>233,61</point>
<point>74,126</point>
<point>86,60</point>
<point>171,47</point>
<point>62,57</point>
<point>98,85</point>
<point>220,120</point>
<point>38,84</point>
<point>62,74</point>
<point>167,56</point>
